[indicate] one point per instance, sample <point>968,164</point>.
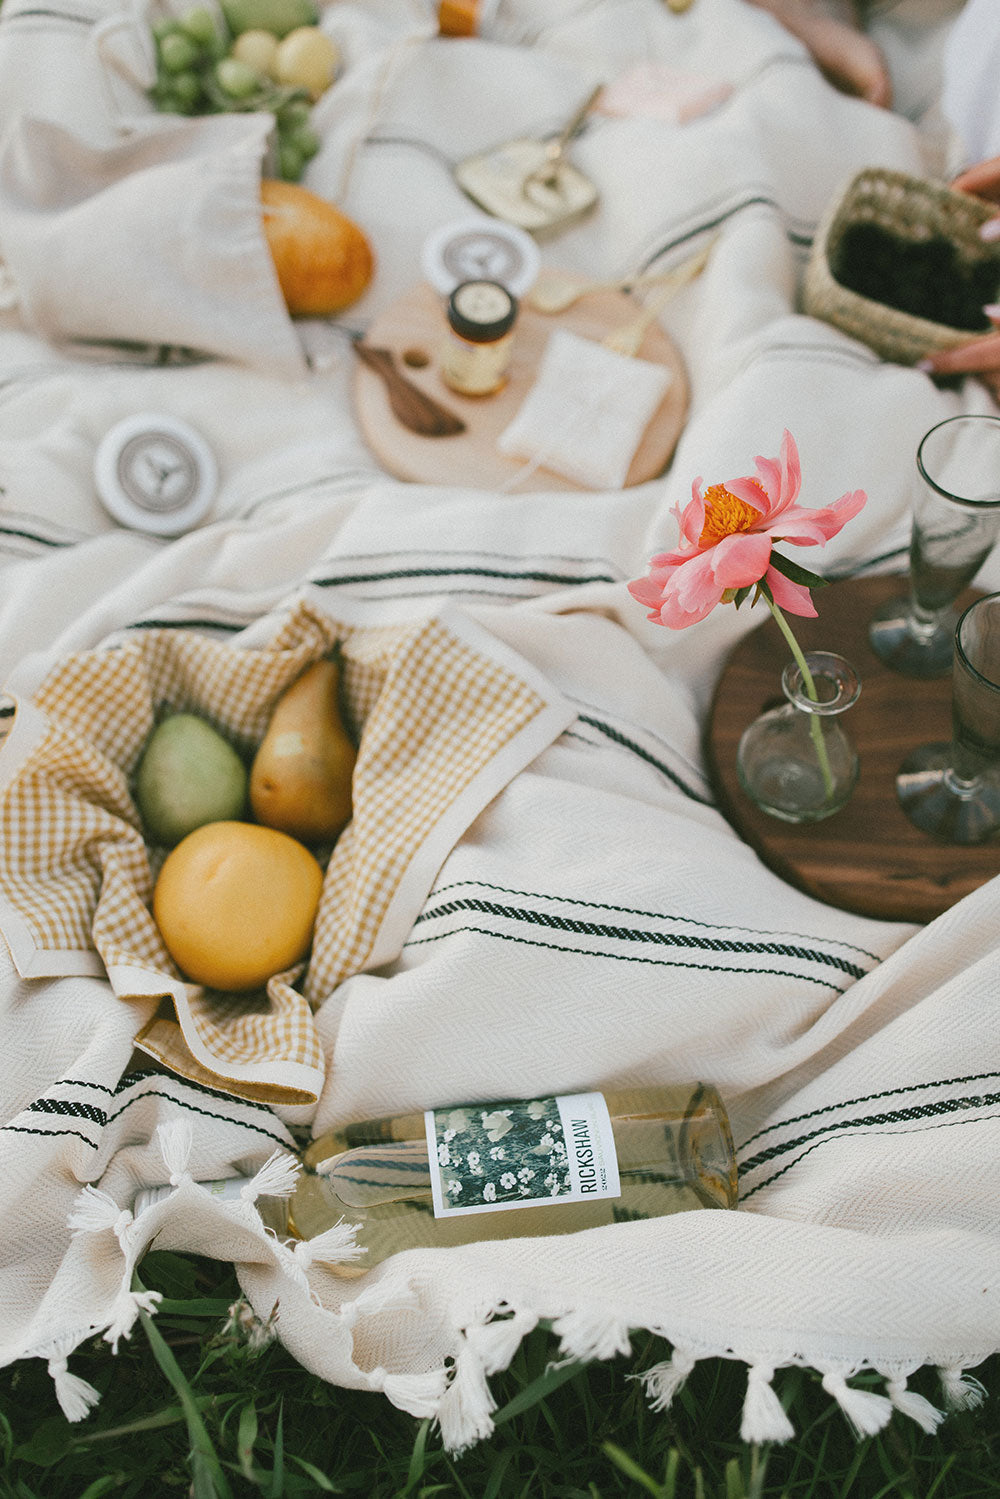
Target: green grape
<point>236,79</point>
<point>290,161</point>
<point>170,103</point>
<point>305,140</point>
<point>198,24</point>
<point>164,28</point>
<point>178,53</point>
<point>294,113</point>
<point>186,89</point>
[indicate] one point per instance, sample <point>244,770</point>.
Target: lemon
<point>307,58</point>
<point>236,903</point>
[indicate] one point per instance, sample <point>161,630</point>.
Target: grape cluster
<point>195,75</point>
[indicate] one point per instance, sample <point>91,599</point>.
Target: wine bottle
<point>512,1168</point>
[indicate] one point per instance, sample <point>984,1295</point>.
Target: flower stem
<point>815,726</point>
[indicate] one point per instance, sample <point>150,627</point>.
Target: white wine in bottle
<point>511,1168</point>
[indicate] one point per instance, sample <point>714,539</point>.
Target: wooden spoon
<point>411,406</point>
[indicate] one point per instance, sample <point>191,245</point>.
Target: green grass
<point>190,1407</point>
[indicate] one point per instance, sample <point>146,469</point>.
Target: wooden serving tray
<point>868,857</point>
<point>414,327</point>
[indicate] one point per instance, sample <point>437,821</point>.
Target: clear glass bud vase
<point>796,761</point>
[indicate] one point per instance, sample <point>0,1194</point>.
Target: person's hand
<point>981,355</point>
<point>845,55</point>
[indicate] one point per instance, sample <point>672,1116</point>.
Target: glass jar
<point>796,761</point>
<point>477,351</point>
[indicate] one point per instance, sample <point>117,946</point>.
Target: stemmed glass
<point>956,520</point>
<point>953,790</point>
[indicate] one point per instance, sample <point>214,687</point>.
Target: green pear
<point>188,775</point>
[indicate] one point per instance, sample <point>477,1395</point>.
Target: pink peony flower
<point>726,539</point>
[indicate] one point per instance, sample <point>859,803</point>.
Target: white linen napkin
<point>586,411</point>
<point>157,239</point>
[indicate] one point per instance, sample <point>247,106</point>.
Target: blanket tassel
<point>176,1140</point>
<point>94,1211</point>
<point>661,1382</point>
<point>276,1178</point>
<point>961,1391</point>
<point>497,1340</point>
<point>76,1396</point>
<point>764,1418</point>
<point>911,1403</point>
<point>334,1246</point>
<point>128,1305</point>
<point>586,1336</point>
<point>465,1410</point>
<point>866,1412</point>
<point>377,1299</point>
<point>417,1394</point>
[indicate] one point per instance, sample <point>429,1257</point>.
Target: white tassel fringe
<point>465,1409</point>
<point>962,1392</point>
<point>76,1396</point>
<point>866,1412</point>
<point>662,1381</point>
<point>175,1140</point>
<point>335,1246</point>
<point>375,1300</point>
<point>94,1211</point>
<point>586,1336</point>
<point>128,1304</point>
<point>911,1403</point>
<point>498,1340</point>
<point>417,1394</point>
<point>276,1178</point>
<point>764,1418</point>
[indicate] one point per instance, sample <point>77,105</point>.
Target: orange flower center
<point>725,514</point>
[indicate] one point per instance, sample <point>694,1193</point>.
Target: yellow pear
<point>300,780</point>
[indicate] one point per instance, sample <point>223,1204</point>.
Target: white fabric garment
<point>599,923</point>
<point>970,94</point>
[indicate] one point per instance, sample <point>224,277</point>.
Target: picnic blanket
<point>567,908</point>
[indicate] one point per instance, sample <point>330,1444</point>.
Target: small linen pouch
<point>586,411</point>
<point>155,239</point>
<point>445,716</point>
<point>656,91</point>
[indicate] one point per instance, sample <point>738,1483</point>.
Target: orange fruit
<point>322,258</point>
<point>236,903</point>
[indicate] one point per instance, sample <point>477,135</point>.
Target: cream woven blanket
<point>537,892</point>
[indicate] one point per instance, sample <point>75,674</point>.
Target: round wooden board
<point>415,324</point>
<point>867,857</point>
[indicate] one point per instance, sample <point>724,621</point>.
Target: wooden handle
<point>417,411</point>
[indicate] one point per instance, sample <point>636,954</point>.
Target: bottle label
<point>521,1153</point>
<point>227,1189</point>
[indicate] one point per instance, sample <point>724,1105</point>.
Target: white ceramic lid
<point>480,249</point>
<point>155,473</point>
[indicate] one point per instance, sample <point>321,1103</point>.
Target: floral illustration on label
<point>521,1153</point>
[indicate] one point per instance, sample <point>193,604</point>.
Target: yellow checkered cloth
<point>428,711</point>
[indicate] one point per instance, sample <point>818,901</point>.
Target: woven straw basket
<point>913,210</point>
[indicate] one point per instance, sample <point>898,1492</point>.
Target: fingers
<point>982,180</point>
<point>980,356</point>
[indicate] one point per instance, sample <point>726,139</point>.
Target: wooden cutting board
<point>413,327</point>
<point>868,857</point>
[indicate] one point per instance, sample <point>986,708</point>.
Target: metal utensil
<point>556,290</point>
<point>547,173</point>
<point>411,406</point>
<point>627,338</point>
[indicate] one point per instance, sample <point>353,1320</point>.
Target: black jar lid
<point>481,311</point>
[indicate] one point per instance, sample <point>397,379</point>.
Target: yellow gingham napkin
<point>444,716</point>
